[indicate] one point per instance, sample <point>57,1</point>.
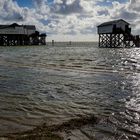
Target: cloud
<point>71,18</point>
<point>129,11</point>
<point>67,7</point>
<point>10,11</point>
<point>134,5</point>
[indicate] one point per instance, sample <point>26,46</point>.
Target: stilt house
<point>117,33</point>
<point>14,34</point>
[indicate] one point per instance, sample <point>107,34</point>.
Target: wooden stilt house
<point>117,33</point>
<point>14,34</point>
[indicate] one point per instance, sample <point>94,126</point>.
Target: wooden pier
<point>117,34</point>
<point>18,35</point>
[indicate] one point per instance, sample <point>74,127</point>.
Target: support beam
<point>117,40</point>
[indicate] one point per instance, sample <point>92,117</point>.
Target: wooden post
<point>99,40</point>
<point>52,42</point>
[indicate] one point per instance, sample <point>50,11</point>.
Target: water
<point>53,84</point>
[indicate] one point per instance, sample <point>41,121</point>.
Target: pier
<point>19,35</point>
<point>116,34</point>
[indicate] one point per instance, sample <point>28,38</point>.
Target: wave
<point>84,127</point>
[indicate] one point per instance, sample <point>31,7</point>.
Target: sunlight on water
<point>53,84</point>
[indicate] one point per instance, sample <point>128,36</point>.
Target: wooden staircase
<point>134,40</point>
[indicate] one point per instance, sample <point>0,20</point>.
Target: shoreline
<point>45,132</point>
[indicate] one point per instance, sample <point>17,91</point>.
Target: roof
<point>14,25</point>
<point>112,22</point>
<point>29,27</point>
<point>9,26</point>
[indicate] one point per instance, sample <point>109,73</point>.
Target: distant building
<point>117,33</point>
<point>15,34</point>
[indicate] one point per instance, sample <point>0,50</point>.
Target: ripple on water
<point>55,84</point>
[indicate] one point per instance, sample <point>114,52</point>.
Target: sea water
<point>53,84</point>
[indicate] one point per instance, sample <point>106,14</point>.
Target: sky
<point>70,20</point>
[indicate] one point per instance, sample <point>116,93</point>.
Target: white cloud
<point>70,19</point>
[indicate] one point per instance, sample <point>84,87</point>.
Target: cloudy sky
<point>65,20</point>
